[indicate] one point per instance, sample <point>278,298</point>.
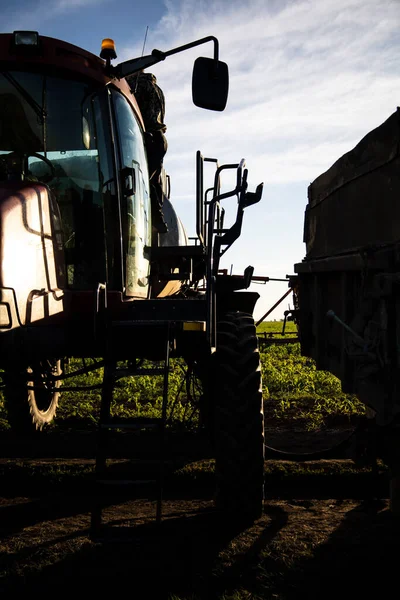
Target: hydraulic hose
<point>331,452</point>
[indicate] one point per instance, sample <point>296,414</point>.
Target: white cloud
<point>314,74</point>
<point>308,79</point>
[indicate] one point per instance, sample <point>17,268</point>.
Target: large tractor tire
<point>29,411</point>
<point>237,408</point>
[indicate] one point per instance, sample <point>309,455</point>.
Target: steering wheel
<point>16,162</point>
<point>44,178</point>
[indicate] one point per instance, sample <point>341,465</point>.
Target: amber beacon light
<point>108,49</point>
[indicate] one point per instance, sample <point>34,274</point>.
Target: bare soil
<point>326,531</point>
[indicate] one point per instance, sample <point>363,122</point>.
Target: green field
<point>294,391</point>
<point>275,328</point>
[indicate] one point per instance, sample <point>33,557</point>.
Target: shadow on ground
<point>299,549</point>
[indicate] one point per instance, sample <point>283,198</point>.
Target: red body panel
<point>28,256</point>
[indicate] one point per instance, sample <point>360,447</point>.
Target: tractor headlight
<point>26,38</point>
<point>26,43</point>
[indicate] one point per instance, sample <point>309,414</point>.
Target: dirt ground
<point>322,535</point>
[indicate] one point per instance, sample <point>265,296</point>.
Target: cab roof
<point>51,55</point>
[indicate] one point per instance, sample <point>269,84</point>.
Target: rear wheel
<point>30,410</point>
<point>237,409</point>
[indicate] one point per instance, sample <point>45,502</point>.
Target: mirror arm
<point>137,64</point>
<point>134,65</point>
<point>209,38</point>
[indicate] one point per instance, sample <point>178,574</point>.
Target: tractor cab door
<point>135,207</point>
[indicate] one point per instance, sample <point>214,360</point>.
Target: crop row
<point>293,391</point>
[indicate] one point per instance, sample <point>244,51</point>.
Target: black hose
<point>331,452</point>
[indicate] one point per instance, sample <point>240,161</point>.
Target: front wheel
<point>31,410</point>
<point>237,407</point>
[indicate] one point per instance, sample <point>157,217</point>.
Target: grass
<point>297,548</point>
<point>294,391</point>
<point>139,396</point>
<point>277,329</point>
<point>34,476</point>
<point>303,536</point>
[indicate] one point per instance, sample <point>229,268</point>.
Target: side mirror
<point>210,83</point>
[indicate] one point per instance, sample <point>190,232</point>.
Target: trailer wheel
<point>238,416</point>
<point>30,410</point>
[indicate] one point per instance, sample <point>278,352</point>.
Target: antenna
<point>145,38</point>
<point>144,45</point>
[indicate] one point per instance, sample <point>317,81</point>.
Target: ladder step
<point>133,372</point>
<point>119,477</point>
<point>132,424</point>
<point>126,482</point>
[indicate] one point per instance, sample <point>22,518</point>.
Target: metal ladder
<point>107,423</point>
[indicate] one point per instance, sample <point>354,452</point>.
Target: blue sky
<point>308,79</point>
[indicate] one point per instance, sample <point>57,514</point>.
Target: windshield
<point>48,133</point>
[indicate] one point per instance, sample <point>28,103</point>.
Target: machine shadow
<point>359,560</point>
<point>187,555</point>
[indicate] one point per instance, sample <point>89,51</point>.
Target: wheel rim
<point>44,400</point>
